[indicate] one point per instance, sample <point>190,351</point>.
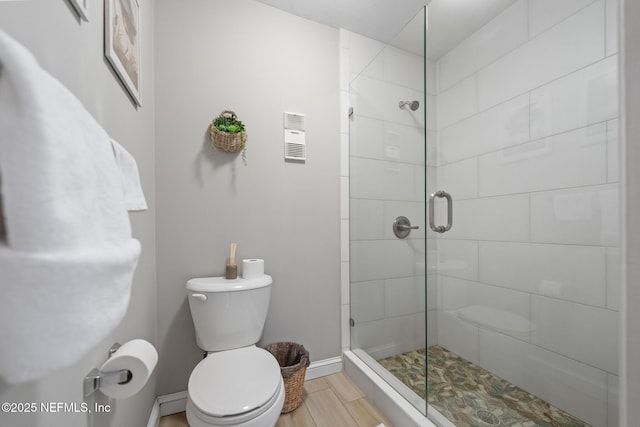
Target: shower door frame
<point>418,220</point>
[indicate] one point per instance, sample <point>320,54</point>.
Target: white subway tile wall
<point>576,387</point>
<point>528,148</point>
<point>502,126</point>
<point>522,131</point>
<point>574,43</point>
<point>502,35</point>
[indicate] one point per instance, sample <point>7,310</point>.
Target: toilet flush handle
<point>201,297</point>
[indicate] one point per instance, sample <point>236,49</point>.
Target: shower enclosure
<point>483,212</point>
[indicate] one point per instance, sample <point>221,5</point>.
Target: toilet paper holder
<point>97,379</point>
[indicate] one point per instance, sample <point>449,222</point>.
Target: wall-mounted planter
<point>228,134</point>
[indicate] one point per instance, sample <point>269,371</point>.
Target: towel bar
<point>96,379</point>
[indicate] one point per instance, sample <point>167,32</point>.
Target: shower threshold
<point>470,396</point>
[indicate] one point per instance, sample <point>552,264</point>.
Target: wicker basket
<point>293,360</point>
<point>228,142</point>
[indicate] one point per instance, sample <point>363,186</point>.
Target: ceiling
<point>378,19</point>
<point>450,21</point>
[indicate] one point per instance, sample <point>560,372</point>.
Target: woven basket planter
<point>225,141</point>
<point>293,360</point>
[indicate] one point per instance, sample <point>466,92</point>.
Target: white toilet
<point>237,384</point>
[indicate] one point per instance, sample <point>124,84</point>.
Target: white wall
<point>527,133</point>
<point>72,51</point>
<point>213,55</point>
<point>385,180</point>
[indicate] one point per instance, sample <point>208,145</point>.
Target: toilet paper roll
<point>252,268</point>
<point>139,357</point>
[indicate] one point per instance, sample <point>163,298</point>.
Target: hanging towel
<point>67,256</point>
<point>133,195</point>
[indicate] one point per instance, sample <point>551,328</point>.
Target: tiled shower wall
<point>528,279</point>
<point>529,276</point>
<point>385,179</point>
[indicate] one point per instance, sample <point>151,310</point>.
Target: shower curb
<point>395,407</point>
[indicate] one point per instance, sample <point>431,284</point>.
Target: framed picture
<point>82,7</point>
<point>122,42</point>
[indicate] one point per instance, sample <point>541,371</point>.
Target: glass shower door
<point>526,283</point>
<point>510,315</point>
<point>387,208</point>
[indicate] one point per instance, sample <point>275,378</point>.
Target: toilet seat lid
<point>234,382</point>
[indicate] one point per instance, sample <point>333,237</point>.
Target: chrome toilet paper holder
<point>97,379</point>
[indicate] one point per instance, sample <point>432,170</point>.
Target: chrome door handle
<point>432,225</point>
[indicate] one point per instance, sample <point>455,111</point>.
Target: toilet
<point>237,384</point>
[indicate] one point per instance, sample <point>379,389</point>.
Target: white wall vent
<point>295,147</point>
<point>294,121</point>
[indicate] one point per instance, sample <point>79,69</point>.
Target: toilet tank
<point>228,314</point>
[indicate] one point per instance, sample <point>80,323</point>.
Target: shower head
<point>412,104</point>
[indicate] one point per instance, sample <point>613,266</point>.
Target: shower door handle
<point>432,225</point>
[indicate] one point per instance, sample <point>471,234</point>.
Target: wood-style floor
<point>329,401</point>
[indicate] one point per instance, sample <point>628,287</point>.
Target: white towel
<point>67,257</point>
<point>133,195</point>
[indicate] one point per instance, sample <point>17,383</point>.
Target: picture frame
<point>81,7</point>
<point>122,43</point>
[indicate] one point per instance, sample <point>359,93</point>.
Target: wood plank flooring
<point>329,401</point>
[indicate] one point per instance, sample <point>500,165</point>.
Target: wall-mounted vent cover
<point>294,121</point>
<point>293,151</point>
<point>295,147</point>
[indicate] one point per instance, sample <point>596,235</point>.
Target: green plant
<point>228,134</point>
<point>228,124</point>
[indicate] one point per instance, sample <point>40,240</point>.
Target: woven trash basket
<point>293,360</point>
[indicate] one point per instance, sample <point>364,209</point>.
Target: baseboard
<point>177,402</point>
<point>322,368</point>
<point>154,417</point>
<point>173,403</point>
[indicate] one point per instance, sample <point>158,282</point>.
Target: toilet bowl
<point>237,384</point>
<point>241,387</point>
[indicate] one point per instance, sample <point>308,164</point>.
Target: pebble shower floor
<point>470,396</point>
